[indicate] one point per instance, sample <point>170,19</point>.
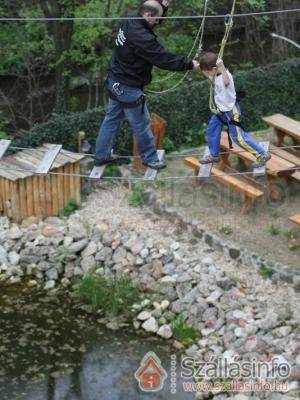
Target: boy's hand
<point>166,3</point>
<point>220,63</point>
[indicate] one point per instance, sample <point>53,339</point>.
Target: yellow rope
<point>229,24</point>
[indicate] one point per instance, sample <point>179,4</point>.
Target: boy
<point>225,100</point>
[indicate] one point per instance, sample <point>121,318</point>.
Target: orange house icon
<point>151,375</point>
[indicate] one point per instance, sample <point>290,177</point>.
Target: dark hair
<point>144,7</point>
<point>208,61</point>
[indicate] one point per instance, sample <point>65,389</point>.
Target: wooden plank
<point>23,198</point>
<point>77,183</point>
<point>261,171</point>
<point>230,181</point>
<point>30,197</point>
<point>151,173</point>
<point>97,172</point>
<point>295,219</point>
<point>275,167</point>
<point>1,196</point>
<point>293,158</point>
<point>48,196</point>
<point>205,169</point>
<point>54,195</point>
<point>4,144</point>
<point>72,181</point>
<point>49,159</point>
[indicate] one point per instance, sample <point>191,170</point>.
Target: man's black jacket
<point>137,50</point>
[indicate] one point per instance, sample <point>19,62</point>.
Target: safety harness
<point>125,104</point>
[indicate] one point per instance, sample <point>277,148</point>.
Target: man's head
<point>151,10</point>
<point>208,63</point>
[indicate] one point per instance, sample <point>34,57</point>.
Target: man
<point>136,52</point>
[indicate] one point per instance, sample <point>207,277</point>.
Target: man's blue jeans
<point>138,119</point>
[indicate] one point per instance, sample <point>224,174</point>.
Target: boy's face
<point>209,73</point>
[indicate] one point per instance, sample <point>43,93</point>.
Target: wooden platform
<point>284,126</point>
<point>295,219</point>
<point>249,192</point>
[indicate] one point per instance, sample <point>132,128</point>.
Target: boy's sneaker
<point>262,160</point>
<point>98,162</point>
<point>209,159</point>
<point>155,165</point>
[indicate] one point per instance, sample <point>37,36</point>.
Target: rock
<point>165,304</point>
<point>14,233</point>
<point>137,247</point>
<point>65,282</point>
<point>207,261</point>
<point>88,264</point>
<point>251,343</point>
<point>157,269</point>
<point>119,255</point>
<point>145,303</point>
<point>76,247</point>
<point>167,281</point>
<point>3,256</point>
<point>13,258</point>
<point>90,250</point>
<point>144,315</point>
<point>192,350</point>
<point>14,279</point>
<point>282,331</point>
<point>241,397</point>
<point>183,278</point>
<point>214,296</point>
<point>298,360</point>
<point>150,325</point>
<point>175,246</point>
<point>44,266</point>
<point>165,331</point>
<point>78,271</point>
<point>31,283</point>
<point>52,274</point>
<point>49,285</point>
<point>144,253</point>
<point>169,269</point>
<point>225,283</point>
<point>76,229</point>
<point>104,254</point>
<point>68,240</point>
<point>234,253</point>
<point>207,331</point>
<point>26,223</point>
<point>51,231</point>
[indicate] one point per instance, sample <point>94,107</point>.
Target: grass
<point>275,214</point>
<point>137,196</point>
<point>62,259</point>
<point>114,295</point>
<point>111,170</point>
<point>273,230</point>
<point>70,207</point>
<point>183,332</point>
<point>265,272</point>
<point>225,229</point>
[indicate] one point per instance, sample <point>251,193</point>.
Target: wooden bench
<point>294,159</point>
<point>249,192</point>
<point>284,126</point>
<point>295,219</point>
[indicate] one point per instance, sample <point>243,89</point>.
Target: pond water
<point>51,350</point>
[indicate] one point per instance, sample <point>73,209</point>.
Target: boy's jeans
<point>138,119</point>
<point>238,135</point>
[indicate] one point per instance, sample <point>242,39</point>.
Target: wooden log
<point>54,195</point>
<point>77,183</point>
<point>30,197</point>
<point>36,197</point>
<point>42,196</point>
<point>23,198</point>
<point>15,202</point>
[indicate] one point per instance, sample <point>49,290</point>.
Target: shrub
<point>114,295</point>
<point>182,331</point>
<point>70,207</point>
<point>137,197</point>
<point>265,272</point>
<point>270,89</point>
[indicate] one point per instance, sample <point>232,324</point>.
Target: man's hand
<point>166,3</point>
<point>196,66</point>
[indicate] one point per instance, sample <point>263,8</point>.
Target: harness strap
<point>228,123</point>
<point>128,104</point>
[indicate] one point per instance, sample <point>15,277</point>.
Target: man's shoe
<point>210,159</point>
<point>98,162</point>
<point>262,160</point>
<point>155,165</point>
